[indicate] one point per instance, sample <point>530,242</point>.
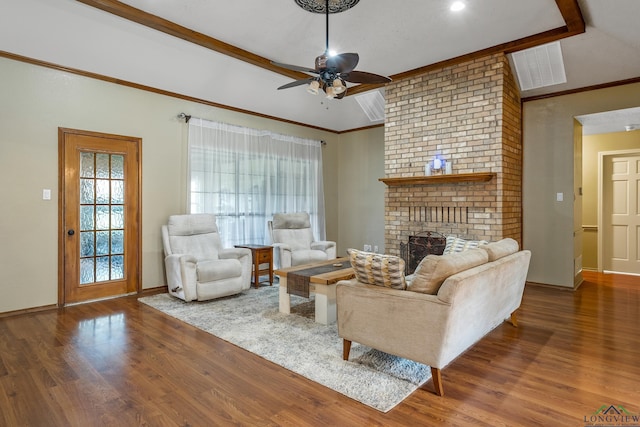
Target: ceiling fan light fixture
<point>330,92</point>
<point>332,72</point>
<point>320,6</point>
<point>313,87</point>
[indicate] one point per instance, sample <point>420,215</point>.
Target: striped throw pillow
<point>378,269</point>
<point>456,244</point>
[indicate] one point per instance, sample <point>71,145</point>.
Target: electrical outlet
<point>367,248</point>
<point>375,249</point>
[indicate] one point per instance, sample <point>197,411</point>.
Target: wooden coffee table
<point>322,285</point>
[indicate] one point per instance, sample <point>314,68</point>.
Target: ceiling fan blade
<point>364,77</point>
<point>297,83</point>
<point>344,62</point>
<point>294,67</point>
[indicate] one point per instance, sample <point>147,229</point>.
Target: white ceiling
<point>390,37</point>
<point>610,121</point>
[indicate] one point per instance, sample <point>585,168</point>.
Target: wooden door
<point>99,219</point>
<point>621,213</point>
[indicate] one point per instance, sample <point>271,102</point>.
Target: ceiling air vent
<point>372,103</point>
<point>539,66</point>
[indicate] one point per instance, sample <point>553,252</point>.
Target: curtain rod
<point>186,118</point>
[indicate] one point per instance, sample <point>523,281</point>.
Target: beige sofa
<point>431,317</point>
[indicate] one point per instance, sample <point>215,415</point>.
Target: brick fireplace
<point>469,114</point>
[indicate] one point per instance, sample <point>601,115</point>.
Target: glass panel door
<point>102,221</point>
<point>100,216</point>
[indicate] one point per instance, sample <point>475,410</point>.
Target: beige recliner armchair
<point>197,266</point>
<point>293,241</point>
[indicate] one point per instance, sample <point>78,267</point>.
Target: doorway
<point>619,212</point>
<point>99,219</point>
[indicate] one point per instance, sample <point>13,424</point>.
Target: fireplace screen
<point>419,246</point>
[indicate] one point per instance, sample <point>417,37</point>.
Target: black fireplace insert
<point>419,246</point>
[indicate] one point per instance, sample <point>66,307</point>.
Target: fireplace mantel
<point>439,179</point>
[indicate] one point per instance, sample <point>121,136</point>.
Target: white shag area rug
<point>251,320</point>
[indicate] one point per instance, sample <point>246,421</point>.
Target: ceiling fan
<point>332,72</point>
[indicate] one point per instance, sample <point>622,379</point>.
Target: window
<point>244,176</point>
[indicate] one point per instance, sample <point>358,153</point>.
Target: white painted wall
<point>361,206</point>
<point>548,145</point>
<point>34,102</point>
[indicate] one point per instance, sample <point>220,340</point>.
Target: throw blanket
<point>298,281</point>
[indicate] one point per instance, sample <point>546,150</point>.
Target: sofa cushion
<point>307,256</point>
<point>457,244</point>
<point>501,248</point>
<point>219,269</point>
<point>378,269</point>
<point>433,270</point>
<point>296,238</point>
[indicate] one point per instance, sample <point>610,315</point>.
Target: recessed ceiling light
<point>457,6</point>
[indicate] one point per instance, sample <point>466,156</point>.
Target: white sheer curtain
<point>244,176</point>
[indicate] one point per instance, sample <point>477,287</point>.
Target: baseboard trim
<point>31,310</point>
<point>28,311</point>
<point>577,280</point>
<point>546,285</point>
<point>152,291</point>
<point>620,272</point>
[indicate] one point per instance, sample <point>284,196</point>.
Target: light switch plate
<point>559,197</point>
<point>46,194</point>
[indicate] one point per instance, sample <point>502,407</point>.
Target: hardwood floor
<point>120,363</point>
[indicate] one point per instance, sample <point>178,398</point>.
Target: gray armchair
<point>197,266</point>
<point>293,241</point>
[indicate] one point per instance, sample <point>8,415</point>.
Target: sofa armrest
<point>234,253</point>
<point>246,261</point>
<point>181,275</point>
<point>408,324</point>
<point>323,245</point>
<point>281,255</point>
<point>174,279</point>
<point>326,246</point>
<point>282,246</point>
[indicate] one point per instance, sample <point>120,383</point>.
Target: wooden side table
<point>260,255</point>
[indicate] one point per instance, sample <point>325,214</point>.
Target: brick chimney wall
<point>469,114</point>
